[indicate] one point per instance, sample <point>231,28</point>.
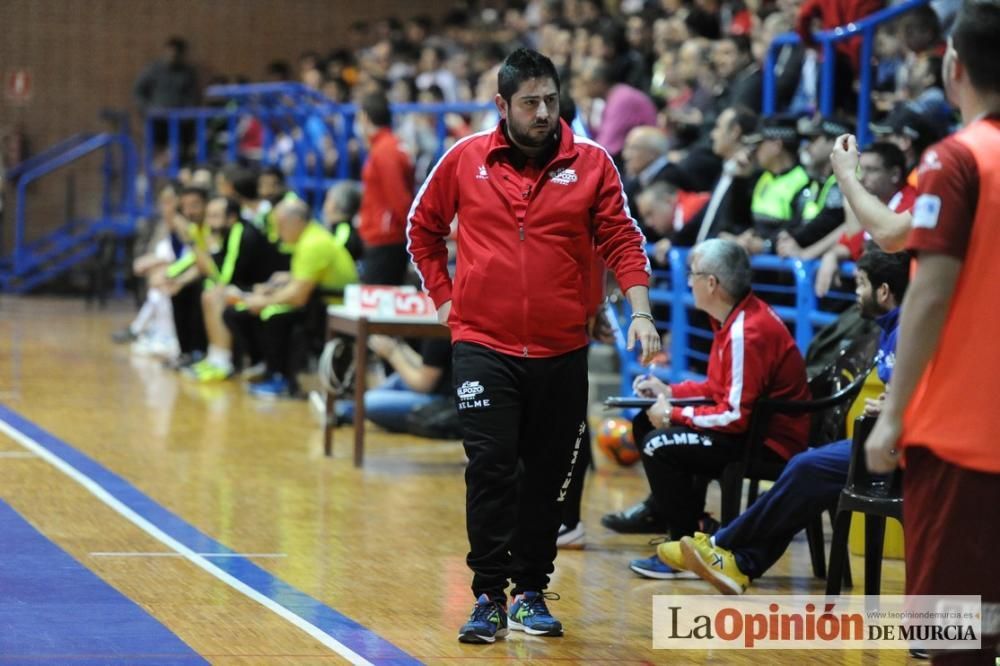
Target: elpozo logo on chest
<point>563,176</point>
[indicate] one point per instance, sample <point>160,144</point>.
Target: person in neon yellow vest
<point>780,192</point>
<point>823,214</point>
<point>239,260</point>
<point>267,317</point>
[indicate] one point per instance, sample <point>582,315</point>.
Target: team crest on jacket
<point>481,174</point>
<point>563,176</point>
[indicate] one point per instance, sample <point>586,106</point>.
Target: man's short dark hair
<point>523,65</point>
<point>233,208</point>
<point>923,18</point>
<point>279,70</point>
<point>200,192</point>
<point>746,118</point>
<point>884,268</point>
<point>178,44</point>
<point>892,156</point>
<point>274,171</point>
<point>742,43</point>
<point>376,107</point>
<point>243,179</point>
<point>975,39</point>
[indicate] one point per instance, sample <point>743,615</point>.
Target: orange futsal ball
<point>614,439</point>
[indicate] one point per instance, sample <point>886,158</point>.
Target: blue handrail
<point>865,28</point>
<point>77,150</point>
<point>15,172</point>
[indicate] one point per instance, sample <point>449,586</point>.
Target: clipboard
<point>628,402</point>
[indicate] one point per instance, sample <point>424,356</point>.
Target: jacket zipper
<point>524,288</point>
<point>529,195</point>
<point>524,301</point>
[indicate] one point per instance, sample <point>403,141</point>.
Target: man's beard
<point>869,309</point>
<point>525,138</point>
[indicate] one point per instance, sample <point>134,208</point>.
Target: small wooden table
<point>351,322</point>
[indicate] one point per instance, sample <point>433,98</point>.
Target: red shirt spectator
<point>387,178</point>
<point>834,13</point>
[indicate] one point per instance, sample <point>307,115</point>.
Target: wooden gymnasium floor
<point>337,563</point>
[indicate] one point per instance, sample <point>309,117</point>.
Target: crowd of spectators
<point>685,77</point>
<point>673,91</point>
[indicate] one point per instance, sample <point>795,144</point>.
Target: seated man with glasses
<point>811,481</point>
<point>752,355</point>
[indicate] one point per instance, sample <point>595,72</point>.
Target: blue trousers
<point>810,484</point>
<point>388,405</point>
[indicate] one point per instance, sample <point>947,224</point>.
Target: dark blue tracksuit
<point>809,484</point>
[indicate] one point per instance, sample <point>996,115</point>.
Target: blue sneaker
<point>275,387</point>
<point>487,623</point>
<point>530,615</point>
<point>654,567</point>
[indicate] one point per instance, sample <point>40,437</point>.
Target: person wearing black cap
<point>780,192</point>
<point>911,131</point>
<point>823,212</point>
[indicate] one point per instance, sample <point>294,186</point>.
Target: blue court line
<point>54,608</point>
<point>362,641</point>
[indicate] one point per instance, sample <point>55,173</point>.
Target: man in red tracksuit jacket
<point>752,355</point>
<point>532,201</point>
<point>387,178</point>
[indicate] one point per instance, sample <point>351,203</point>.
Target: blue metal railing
<point>281,109</point>
<point>669,294</point>
<point>865,28</point>
<point>32,261</point>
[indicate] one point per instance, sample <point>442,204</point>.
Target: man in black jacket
<point>716,216</point>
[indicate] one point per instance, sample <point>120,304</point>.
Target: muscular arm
<point>887,229</point>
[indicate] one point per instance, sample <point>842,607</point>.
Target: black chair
<point>878,497</point>
<point>834,391</point>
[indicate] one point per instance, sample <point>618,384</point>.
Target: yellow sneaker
<point>670,553</point>
<point>714,564</point>
<point>212,373</point>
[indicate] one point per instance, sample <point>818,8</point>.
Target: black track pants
<point>523,420</point>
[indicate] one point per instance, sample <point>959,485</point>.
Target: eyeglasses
<point>694,274</point>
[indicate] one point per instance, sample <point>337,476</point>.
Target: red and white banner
<point>389,301</point>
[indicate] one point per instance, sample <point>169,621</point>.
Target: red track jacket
<point>526,240</point>
<point>387,177</point>
<point>752,355</point>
